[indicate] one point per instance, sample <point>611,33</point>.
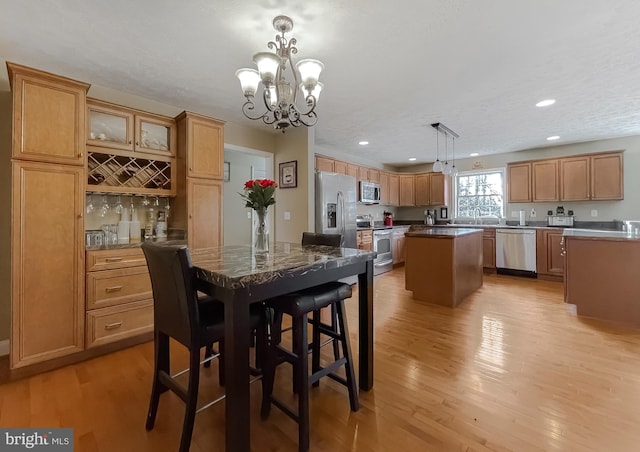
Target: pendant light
<point>446,169</point>
<point>454,170</point>
<point>437,165</point>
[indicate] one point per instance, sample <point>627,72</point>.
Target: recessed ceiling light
<point>546,103</point>
<point>412,159</point>
<point>554,137</point>
<point>474,154</point>
<point>363,143</point>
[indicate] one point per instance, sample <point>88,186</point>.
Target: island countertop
<point>609,235</point>
<point>440,232</point>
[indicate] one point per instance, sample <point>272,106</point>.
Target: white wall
<point>237,224</point>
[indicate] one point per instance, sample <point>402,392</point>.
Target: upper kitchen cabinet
<point>203,146</point>
<point>593,177</point>
<point>116,127</point>
<point>368,174</point>
<point>48,116</point>
<point>422,189</point>
<point>394,190</point>
<point>340,167</point>
<point>384,188</point>
<point>545,181</point>
<point>352,170</point>
<point>432,189</point>
<point>607,180</point>
<point>324,164</point>
<point>407,190</point>
<point>519,182</point>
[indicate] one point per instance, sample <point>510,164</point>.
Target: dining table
<point>239,275</point>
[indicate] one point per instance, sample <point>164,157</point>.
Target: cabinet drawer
<point>112,259</point>
<point>488,232</point>
<point>118,322</point>
<point>113,287</point>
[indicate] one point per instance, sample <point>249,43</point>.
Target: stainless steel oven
<point>382,244</point>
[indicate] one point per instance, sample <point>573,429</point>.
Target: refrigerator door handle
<point>342,222</point>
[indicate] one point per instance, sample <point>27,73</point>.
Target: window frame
<point>501,170</point>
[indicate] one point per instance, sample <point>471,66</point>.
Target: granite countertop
<point>589,233</point>
<point>238,266</point>
<point>126,246</point>
<point>442,232</point>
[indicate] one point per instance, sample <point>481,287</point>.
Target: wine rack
<point>112,173</point>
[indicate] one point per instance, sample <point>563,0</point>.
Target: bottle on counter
<point>123,226</point>
<point>161,226</point>
<point>134,227</point>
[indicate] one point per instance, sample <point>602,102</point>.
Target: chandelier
<point>438,166</point>
<point>280,95</point>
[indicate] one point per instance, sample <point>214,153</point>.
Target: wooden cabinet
<point>48,116</point>
<point>340,167</point>
<point>545,181</point>
<point>399,245</point>
<point>607,181</point>
<point>489,249</point>
<point>203,138</point>
<point>47,306</point>
<point>365,240</point>
<point>519,182</point>
<point>422,184</point>
<point>374,175</point>
<point>549,257</point>
<point>363,173</point>
<point>439,189</point>
<point>117,127</point>
<point>352,170</point>
<point>198,205</point>
<point>394,190</point>
<point>324,164</point>
<point>574,179</point>
<point>407,190</point>
<point>384,188</point>
<point>119,296</point>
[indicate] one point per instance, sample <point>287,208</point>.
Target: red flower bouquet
<point>258,193</point>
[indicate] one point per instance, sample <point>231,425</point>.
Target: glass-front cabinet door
<point>156,135</point>
<point>109,126</point>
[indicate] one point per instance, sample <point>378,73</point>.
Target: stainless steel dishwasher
<point>516,250</point>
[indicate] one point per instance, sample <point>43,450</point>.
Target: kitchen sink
<point>482,220</point>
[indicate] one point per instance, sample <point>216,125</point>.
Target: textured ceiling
<point>391,68</point>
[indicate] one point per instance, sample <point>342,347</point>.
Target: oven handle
<point>383,263</point>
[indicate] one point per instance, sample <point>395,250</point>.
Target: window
<point>483,190</point>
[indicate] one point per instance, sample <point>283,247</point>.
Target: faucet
<point>476,215</point>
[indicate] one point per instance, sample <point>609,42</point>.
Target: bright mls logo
<point>46,439</point>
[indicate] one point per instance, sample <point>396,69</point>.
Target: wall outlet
<point>515,214</point>
<point>594,212</point>
<point>287,215</point>
<point>249,215</point>
<point>533,213</point>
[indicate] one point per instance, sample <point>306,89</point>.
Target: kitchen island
<point>443,265</point>
<point>601,274</point>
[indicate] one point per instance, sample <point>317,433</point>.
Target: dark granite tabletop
<point>440,232</point>
<point>237,266</point>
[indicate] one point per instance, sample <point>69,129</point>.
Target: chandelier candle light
<point>438,166</point>
<point>258,195</point>
<point>278,94</point>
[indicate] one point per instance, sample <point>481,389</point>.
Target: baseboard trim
<point>4,347</point>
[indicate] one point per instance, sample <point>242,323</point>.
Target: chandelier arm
<point>248,107</point>
<point>266,98</point>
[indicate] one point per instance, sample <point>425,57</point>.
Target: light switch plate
<point>594,212</point>
<point>287,215</point>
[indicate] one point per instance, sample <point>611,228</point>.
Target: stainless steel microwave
<point>369,192</point>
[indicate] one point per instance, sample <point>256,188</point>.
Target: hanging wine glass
<point>104,206</point>
<point>117,208</point>
<point>167,207</point>
<point>90,206</point>
<point>145,201</point>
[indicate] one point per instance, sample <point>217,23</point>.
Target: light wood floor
<point>512,368</point>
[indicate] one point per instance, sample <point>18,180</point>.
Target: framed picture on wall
<point>227,171</point>
<point>289,174</point>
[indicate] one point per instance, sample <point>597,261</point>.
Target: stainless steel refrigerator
<point>336,201</point>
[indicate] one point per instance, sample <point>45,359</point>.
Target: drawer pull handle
<point>113,259</point>
<point>112,326</point>
<point>113,289</point>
